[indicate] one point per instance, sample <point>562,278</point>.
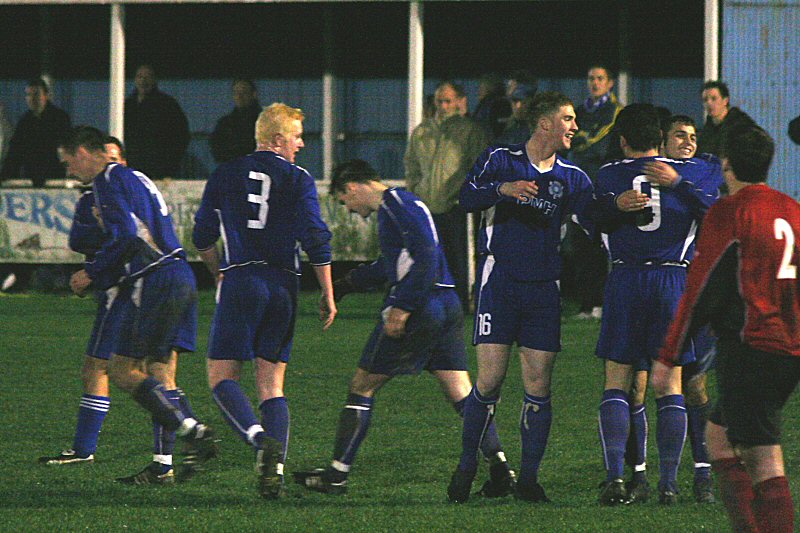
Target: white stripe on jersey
<point>689,240</point>
<point>429,216</point>
<point>562,164</point>
<point>488,225</point>
<point>404,263</point>
<point>490,158</point>
<point>224,236</point>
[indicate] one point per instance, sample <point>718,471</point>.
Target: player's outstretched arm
<point>327,304</point>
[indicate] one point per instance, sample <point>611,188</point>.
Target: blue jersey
<point>524,236</point>
<point>140,234</point>
<point>86,236</point>
<point>665,232</point>
<point>262,206</point>
<point>412,259</point>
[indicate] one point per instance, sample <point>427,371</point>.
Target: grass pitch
<point>401,473</point>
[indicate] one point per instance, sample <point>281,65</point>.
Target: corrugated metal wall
<point>371,113</point>
<point>761,65</point>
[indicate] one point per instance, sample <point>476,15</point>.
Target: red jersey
<point>744,276</point>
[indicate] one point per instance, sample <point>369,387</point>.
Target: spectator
<point>595,119</point>
<point>517,129</point>
<point>32,150</point>
<point>589,148</point>
<point>6,131</point>
<point>440,152</point>
<point>519,77</point>
<point>234,135</point>
<point>720,117</point>
<point>794,130</point>
<point>493,109</point>
<point>156,130</point>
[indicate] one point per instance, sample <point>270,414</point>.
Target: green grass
<point>400,476</point>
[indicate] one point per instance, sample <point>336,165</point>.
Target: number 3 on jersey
<point>262,200</point>
<point>783,232</point>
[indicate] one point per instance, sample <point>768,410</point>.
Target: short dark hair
<point>684,120</point>
<point>40,83</point>
<point>90,138</point>
<point>749,151</point>
<point>719,85</point>
<point>247,81</point>
<point>640,126</point>
<point>612,75</point>
<point>544,104</point>
<point>110,139</point>
<point>352,171</point>
<point>457,87</point>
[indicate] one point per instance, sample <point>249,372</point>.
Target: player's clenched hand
<point>394,322</point>
<point>327,310</point>
<point>661,173</point>
<point>79,282</point>
<point>631,200</point>
<point>519,190</point>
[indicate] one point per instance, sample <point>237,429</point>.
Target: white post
<point>711,70</point>
<point>116,93</point>
<point>328,124</point>
<point>416,48</point>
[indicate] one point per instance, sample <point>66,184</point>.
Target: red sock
<point>773,506</point>
<point>736,489</point>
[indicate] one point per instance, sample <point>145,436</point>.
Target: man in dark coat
<point>32,150</point>
<point>156,130</point>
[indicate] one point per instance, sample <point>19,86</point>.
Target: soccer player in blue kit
<point>650,252</point>
<point>679,142</point>
<point>524,192</point>
<point>261,205</point>
<point>421,325</point>
<point>87,236</point>
<point>143,257</point>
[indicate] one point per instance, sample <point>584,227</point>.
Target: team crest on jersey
<point>556,189</point>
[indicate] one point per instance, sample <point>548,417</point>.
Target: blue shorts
<point>255,315</point>
<point>157,313</point>
<point>509,311</point>
<point>639,304</point>
<point>434,340</point>
<point>103,339</point>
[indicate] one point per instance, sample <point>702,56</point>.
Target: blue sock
<point>186,407</point>
<point>670,436</point>
<point>91,413</point>
<point>237,411</point>
<point>615,423</point>
<point>151,395</point>
<point>697,415</point>
<point>639,436</point>
<point>478,413</point>
<point>275,420</point>
<point>490,445</point>
<point>353,424</point>
<point>534,428</point>
<point>163,439</point>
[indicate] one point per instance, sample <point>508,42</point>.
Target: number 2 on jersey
<point>262,200</point>
<point>783,232</point>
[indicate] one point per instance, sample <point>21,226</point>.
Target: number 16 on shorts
<point>484,324</point>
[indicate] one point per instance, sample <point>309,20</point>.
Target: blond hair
<point>276,118</point>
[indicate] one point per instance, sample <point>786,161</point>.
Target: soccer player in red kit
<point>743,281</point>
